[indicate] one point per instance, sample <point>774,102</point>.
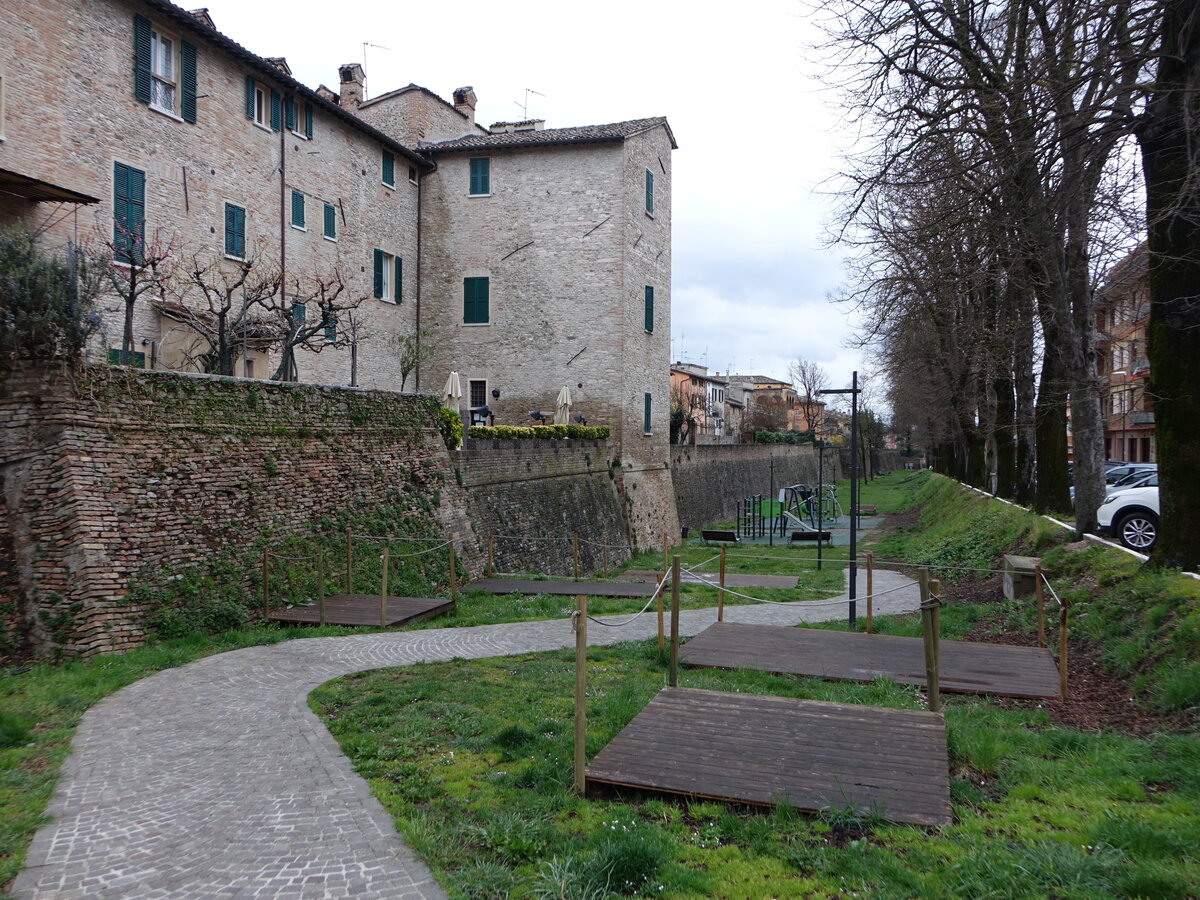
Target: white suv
<point>1131,516</point>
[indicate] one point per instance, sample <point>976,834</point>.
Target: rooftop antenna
<point>525,106</point>
<point>367,44</point>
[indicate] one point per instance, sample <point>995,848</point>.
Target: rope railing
<point>388,537</point>
<point>635,616</point>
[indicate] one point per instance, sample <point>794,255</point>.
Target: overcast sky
<point>756,134</point>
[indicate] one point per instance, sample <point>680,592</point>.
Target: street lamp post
<point>853,391</point>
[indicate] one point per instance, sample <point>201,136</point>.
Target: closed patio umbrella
<point>452,392</point>
<point>562,415</point>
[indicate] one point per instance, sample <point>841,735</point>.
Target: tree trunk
<point>1050,433</point>
<point>1004,438</point>
<point>1169,162</point>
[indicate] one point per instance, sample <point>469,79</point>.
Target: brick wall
<point>533,495</point>
<point>119,476</point>
<point>709,480</point>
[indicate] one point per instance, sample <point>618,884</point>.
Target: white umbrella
<point>452,392</point>
<point>563,414</point>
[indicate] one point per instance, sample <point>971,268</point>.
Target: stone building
<point>1122,314</point>
<point>526,258</point>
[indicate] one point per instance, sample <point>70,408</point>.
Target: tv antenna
<point>367,44</point>
<point>525,106</point>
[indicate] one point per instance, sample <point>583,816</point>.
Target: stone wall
<point>532,496</point>
<point>709,480</point>
<point>117,477</point>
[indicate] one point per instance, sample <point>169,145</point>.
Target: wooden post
<point>580,689</point>
<point>673,679</point>
<point>491,540</point>
<point>931,671</point>
<point>321,584</point>
<point>453,570</point>
<point>1039,592</point>
<point>870,592</point>
<point>935,595</point>
<point>721,591</point>
<point>1062,649</point>
<point>575,553</point>
<point>383,589</point>
<point>349,562</point>
<point>266,575</point>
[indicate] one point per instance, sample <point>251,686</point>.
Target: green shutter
<point>475,301</point>
<point>308,117</point>
<point>649,191</point>
<point>275,112</point>
<point>129,211</point>
<point>330,221</point>
<point>646,414</point>
<point>378,269</point>
<point>141,58</point>
<point>187,73</point>
<point>289,113</point>
<point>398,280</point>
<point>649,307</point>
<point>389,168</point>
<point>298,312</point>
<point>481,175</point>
<point>297,209</point>
<point>330,327</point>
<point>118,357</point>
<point>249,96</point>
<point>235,230</point>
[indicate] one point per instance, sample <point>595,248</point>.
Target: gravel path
<point>216,779</point>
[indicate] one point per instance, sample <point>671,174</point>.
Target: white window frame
<point>262,107</point>
<point>472,381</point>
<point>164,48</point>
<point>389,277</point>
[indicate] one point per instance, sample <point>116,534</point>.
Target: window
<point>299,312</point>
<point>297,210</point>
<point>330,222</point>
<point>129,212</point>
<point>308,121</point>
<point>412,170</point>
<point>330,328</point>
<point>389,168</point>
<point>389,277</point>
<point>649,193</point>
<point>264,107</point>
<point>235,231</point>
<point>475,301</point>
<point>477,387</point>
<point>289,113</point>
<point>481,175</point>
<point>649,307</point>
<point>164,70</point>
<point>646,414</point>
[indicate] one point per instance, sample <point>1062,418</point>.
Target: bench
<point>866,510</point>
<point>810,536</point>
<point>1019,577</point>
<point>719,536</point>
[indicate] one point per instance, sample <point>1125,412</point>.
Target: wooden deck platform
<point>363,609</point>
<point>766,750</point>
<point>565,588</point>
<point>731,579</point>
<point>853,656</point>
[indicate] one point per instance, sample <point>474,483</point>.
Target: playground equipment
<point>799,508</point>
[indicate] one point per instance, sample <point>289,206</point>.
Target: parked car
<point>1143,478</point>
<point>1131,516</point>
<point>1116,473</point>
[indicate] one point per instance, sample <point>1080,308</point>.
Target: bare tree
<point>809,379</point>
<point>411,349</point>
<point>133,267</point>
<point>689,403</point>
<point>234,293</point>
<point>309,317</point>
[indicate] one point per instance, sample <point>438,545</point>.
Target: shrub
<point>553,432</point>
<point>13,731</point>
<point>451,427</point>
<point>47,303</point>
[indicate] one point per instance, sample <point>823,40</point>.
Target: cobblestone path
<point>216,779</point>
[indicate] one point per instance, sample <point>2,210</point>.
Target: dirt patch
<point>1097,699</point>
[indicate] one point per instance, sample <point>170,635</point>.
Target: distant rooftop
<point>531,137</point>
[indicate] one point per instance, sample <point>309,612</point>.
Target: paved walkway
<point>216,779</point>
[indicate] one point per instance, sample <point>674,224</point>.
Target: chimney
<point>352,78</point>
<point>464,102</point>
<point>280,63</point>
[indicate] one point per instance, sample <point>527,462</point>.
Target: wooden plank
<point>763,750</point>
<point>732,579</point>
<point>363,609</point>
<point>567,588</point>
<point>965,667</point>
